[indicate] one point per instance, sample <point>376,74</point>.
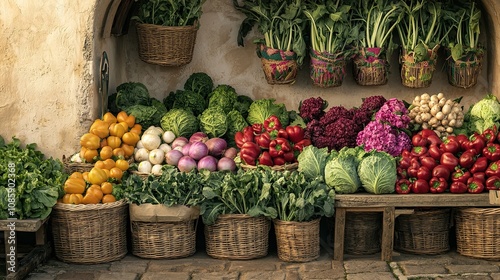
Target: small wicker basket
<point>90,233</point>
<point>362,233</point>
<point>477,232</point>
<point>166,45</point>
<point>417,75</point>
<point>279,66</point>
<point>297,241</point>
<point>326,70</point>
<point>238,237</point>
<point>426,231</point>
<point>463,74</point>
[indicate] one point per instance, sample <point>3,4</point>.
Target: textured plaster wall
<point>50,62</point>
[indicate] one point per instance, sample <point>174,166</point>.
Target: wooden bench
<point>387,204</point>
<point>35,257</point>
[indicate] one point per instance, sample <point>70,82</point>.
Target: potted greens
<point>166,30</point>
<point>375,20</point>
<point>282,49</point>
<point>464,51</point>
<point>420,33</point>
<point>330,41</point>
<point>299,202</point>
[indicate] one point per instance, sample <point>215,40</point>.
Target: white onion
<point>216,146</point>
<point>139,144</point>
<point>168,137</point>
<point>141,154</point>
<point>186,164</point>
<point>154,130</point>
<point>226,164</point>
<point>197,150</point>
<point>151,141</point>
<point>156,156</point>
<point>156,169</point>
<point>165,147</point>
<point>172,157</point>
<point>145,166</point>
<point>208,163</point>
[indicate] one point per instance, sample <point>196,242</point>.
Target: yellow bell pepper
<point>74,186</point>
<point>117,129</point>
<point>100,128</point>
<point>88,155</point>
<point>73,198</point>
<point>131,138</point>
<point>124,117</point>
<point>97,176</point>
<point>109,118</point>
<point>90,141</point>
<point>114,141</point>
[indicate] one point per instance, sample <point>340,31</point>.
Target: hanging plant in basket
<point>374,22</point>
<point>420,33</point>
<point>166,31</point>
<point>331,38</point>
<point>464,51</point>
<point>282,49</point>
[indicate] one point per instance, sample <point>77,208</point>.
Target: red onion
<point>197,150</point>
<point>186,164</point>
<point>198,137</point>
<point>179,142</point>
<point>185,149</point>
<point>172,157</point>
<point>226,164</point>
<point>208,162</point>
<point>216,146</point>
<point>231,152</point>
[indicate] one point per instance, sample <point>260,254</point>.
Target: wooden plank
<point>494,197</point>
<point>30,225</point>
<point>122,19</point>
<point>412,200</point>
<point>110,17</point>
<point>31,261</point>
<point>338,243</point>
<point>387,233</point>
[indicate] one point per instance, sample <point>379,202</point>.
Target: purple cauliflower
<point>312,108</point>
<point>335,113</point>
<point>379,136</point>
<point>394,113</point>
<point>373,103</point>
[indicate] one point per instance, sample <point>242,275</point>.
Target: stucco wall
<point>50,61</point>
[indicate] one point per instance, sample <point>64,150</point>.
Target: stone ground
<point>200,266</point>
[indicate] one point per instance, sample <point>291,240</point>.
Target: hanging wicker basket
<point>327,70</point>
<point>238,237</point>
<point>464,72</point>
<point>370,67</point>
<point>417,74</point>
<point>362,233</point>
<point>477,232</point>
<point>297,241</point>
<point>279,66</point>
<point>90,233</point>
<point>425,231</point>
<point>166,45</point>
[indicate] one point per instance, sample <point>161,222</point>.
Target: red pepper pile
<point>458,164</point>
<point>270,144</point>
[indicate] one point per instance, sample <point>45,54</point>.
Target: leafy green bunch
<point>169,12</point>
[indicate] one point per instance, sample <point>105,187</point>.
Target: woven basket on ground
<point>362,233</point>
<point>327,71</point>
<point>477,232</point>
<point>238,237</point>
<point>425,231</point>
<point>90,233</point>
<point>297,241</point>
<point>166,45</point>
<point>463,74</point>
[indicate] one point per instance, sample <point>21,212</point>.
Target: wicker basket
<point>166,45</point>
<point>279,66</point>
<point>477,232</point>
<point>417,75</point>
<point>362,233</point>
<point>90,233</point>
<point>370,67</point>
<point>238,237</point>
<point>423,232</point>
<point>297,241</point>
<point>463,73</point>
<point>327,70</point>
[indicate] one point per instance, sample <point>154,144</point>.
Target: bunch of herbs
<point>169,12</point>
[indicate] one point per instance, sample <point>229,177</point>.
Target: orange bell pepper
<point>100,128</point>
<point>90,141</point>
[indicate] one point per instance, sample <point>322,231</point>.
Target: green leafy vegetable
<point>199,82</point>
<point>223,96</point>
<point>235,122</point>
<point>213,122</point>
<point>243,103</point>
<point>262,109</point>
<point>377,172</point>
<point>484,114</point>
<point>341,172</point>
<point>169,13</point>
<point>189,100</point>
<point>131,93</point>
<point>312,161</point>
<point>181,122</point>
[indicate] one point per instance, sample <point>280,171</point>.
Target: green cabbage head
<point>485,114</point>
<point>181,122</point>
<point>377,172</point>
<point>213,122</point>
<point>341,174</point>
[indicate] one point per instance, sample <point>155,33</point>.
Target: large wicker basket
<point>238,237</point>
<point>90,233</point>
<point>327,70</point>
<point>362,233</point>
<point>166,45</point>
<point>279,66</point>
<point>297,241</point>
<point>477,232</point>
<point>425,231</point>
<point>464,73</point>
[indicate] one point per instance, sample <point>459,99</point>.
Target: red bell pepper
<point>249,152</point>
<point>493,169</point>
<point>263,140</point>
<point>419,141</point>
<point>403,186</point>
<point>289,156</point>
<point>295,133</point>
<point>279,146</point>
<point>418,151</point>
<point>438,185</point>
<point>401,173</point>
<point>481,176</point>
<point>493,183</point>
<point>458,187</point>
<point>420,186</point>
<point>449,160</point>
<point>282,133</point>
<point>272,123</point>
<point>265,159</point>
<point>428,162</point>
<point>426,132</point>
<point>450,144</point>
<point>424,173</point>
<point>299,146</point>
<point>435,152</point>
<point>492,151</point>
<point>257,128</point>
<point>480,165</point>
<point>476,141</point>
<point>246,136</point>
<point>475,187</point>
<point>460,175</point>
<point>467,159</point>
<point>490,134</point>
<point>279,161</point>
<point>462,139</point>
<point>441,171</point>
<point>404,162</point>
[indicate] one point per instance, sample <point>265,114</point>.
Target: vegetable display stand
<point>161,232</point>
<point>327,70</point>
<point>417,74</point>
<point>297,241</point>
<point>477,232</point>
<point>166,45</point>
<point>464,72</point>
<point>426,231</point>
<point>370,67</point>
<point>90,233</point>
<point>279,66</point>
<point>238,237</point>
<point>362,233</point>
